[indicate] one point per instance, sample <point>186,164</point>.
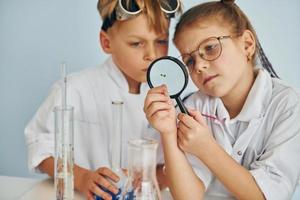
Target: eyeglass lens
<point>209,50</point>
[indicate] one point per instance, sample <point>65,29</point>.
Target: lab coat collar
<point>256,103</point>
<point>119,78</point>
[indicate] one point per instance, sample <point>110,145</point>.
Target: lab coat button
<point>240,153</point>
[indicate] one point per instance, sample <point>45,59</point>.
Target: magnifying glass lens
<point>167,72</point>
<point>171,72</point>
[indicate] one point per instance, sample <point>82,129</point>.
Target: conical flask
<point>115,149</point>
<point>142,183</point>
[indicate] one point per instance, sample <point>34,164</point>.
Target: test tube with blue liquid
<point>64,151</point>
<point>115,149</point>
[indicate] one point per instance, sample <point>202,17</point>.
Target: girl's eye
<point>211,49</point>
<point>189,62</point>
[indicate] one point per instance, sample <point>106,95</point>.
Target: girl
<point>248,147</point>
<point>134,33</point>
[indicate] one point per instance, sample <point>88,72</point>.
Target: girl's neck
<point>235,100</point>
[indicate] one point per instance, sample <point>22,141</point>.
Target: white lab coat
<point>264,137</point>
<point>91,93</point>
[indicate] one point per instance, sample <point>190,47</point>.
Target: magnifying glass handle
<point>181,106</point>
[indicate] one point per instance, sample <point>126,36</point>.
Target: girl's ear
<point>105,42</point>
<point>249,43</point>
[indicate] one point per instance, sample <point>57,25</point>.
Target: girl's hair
<point>234,17</point>
<point>155,16</point>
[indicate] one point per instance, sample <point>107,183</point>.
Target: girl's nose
<point>200,65</point>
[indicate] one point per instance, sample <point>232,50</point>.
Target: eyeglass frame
<point>219,38</point>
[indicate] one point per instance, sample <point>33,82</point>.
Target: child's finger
<point>182,127</point>
<point>187,120</point>
<point>156,98</point>
<point>108,173</point>
<point>89,195</point>
<point>159,89</point>
<point>156,107</point>
<point>95,189</point>
<point>197,116</point>
<point>104,183</point>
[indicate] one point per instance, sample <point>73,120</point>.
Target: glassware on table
<point>64,153</point>
<point>115,149</point>
<point>142,183</point>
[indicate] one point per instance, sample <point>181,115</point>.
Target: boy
<point>134,33</point>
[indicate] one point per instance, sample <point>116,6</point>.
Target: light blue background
<point>36,35</point>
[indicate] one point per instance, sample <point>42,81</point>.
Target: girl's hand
<point>193,132</point>
<point>92,180</point>
<point>160,111</point>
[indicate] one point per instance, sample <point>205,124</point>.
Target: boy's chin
<point>143,80</point>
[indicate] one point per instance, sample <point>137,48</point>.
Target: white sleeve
<point>278,169</point>
<point>39,133</point>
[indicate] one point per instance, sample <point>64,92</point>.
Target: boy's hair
<point>156,17</point>
<point>225,11</point>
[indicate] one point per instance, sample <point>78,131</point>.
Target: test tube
<point>64,153</point>
<point>64,144</point>
<point>115,150</point>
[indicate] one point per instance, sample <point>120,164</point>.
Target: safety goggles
<point>128,9</point>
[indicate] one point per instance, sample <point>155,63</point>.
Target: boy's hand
<point>92,180</point>
<point>160,111</point>
<point>193,132</point>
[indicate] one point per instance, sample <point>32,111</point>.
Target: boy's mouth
<point>209,78</point>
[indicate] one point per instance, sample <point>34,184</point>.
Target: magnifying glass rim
<point>181,65</point>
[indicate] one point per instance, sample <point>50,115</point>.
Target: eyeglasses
<point>127,9</point>
<point>209,50</point>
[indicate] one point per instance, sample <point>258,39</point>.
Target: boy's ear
<point>105,42</point>
<point>249,43</point>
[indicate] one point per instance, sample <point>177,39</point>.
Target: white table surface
<point>15,188</point>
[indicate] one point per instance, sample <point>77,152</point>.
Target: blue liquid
<point>129,196</point>
<point>118,196</point>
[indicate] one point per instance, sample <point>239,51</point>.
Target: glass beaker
<point>142,183</point>
<point>64,153</point>
<point>115,149</point>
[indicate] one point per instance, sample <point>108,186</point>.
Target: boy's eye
<point>135,44</point>
<point>163,42</point>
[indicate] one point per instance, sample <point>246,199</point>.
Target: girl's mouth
<point>209,78</point>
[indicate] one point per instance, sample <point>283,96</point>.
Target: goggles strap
<point>109,21</point>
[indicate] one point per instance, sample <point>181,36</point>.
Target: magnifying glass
<point>171,72</point>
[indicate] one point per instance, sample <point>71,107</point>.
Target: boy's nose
<point>150,53</point>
